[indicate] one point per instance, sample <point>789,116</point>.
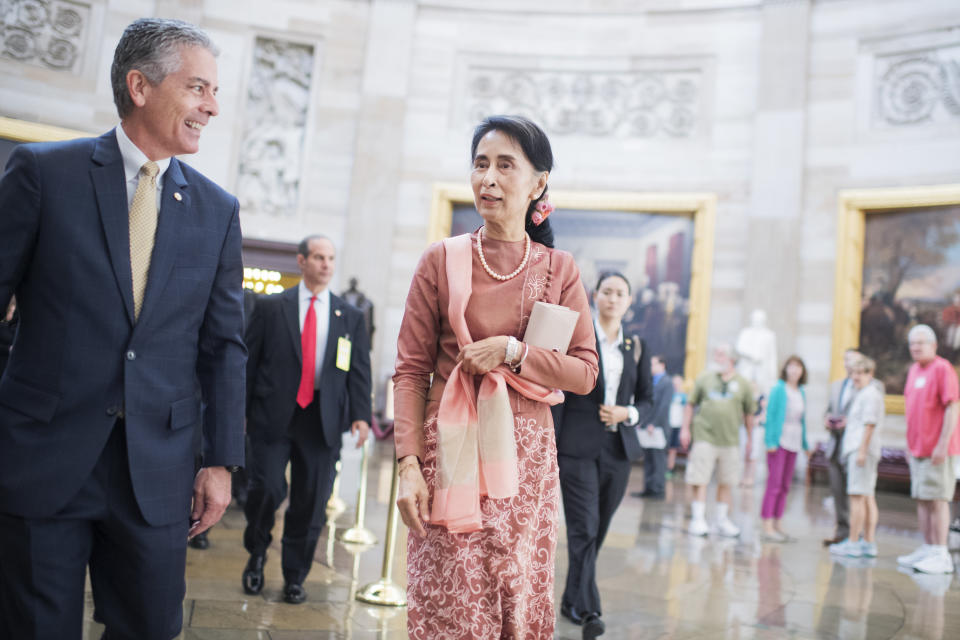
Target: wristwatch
<point>233,468</point>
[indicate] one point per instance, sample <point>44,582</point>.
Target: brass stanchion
<point>384,591</point>
<point>336,505</point>
<point>359,534</point>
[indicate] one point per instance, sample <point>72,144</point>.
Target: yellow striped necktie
<point>143,227</point>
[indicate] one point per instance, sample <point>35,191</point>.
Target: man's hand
<point>650,429</point>
<point>412,495</point>
<point>361,430</point>
<point>483,356</point>
<point>939,453</point>
<point>685,437</point>
<point>612,414</point>
<point>211,497</point>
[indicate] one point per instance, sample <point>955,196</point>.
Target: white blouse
<point>612,358</point>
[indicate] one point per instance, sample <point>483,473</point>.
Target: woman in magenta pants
<point>786,434</point>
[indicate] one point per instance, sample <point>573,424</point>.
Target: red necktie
<point>308,346</point>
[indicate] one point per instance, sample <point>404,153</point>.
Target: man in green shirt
<point>723,400</point>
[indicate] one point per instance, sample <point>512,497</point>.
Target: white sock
<point>722,508</point>
<point>698,510</point>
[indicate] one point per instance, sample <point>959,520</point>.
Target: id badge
<point>343,353</point>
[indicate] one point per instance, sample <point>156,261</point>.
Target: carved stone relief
<point>917,88</point>
<point>645,104</point>
<point>45,33</point>
<point>278,98</point>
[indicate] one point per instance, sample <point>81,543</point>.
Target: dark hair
<point>660,358</point>
<point>151,46</point>
<point>612,274</point>
<point>304,247</point>
<point>536,146</point>
<point>798,360</point>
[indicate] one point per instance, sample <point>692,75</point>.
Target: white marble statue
<point>757,346</point>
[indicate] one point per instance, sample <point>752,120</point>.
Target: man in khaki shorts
<point>932,411</point>
<point>724,401</point>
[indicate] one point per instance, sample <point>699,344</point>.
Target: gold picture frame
<point>25,131</point>
<point>854,207</point>
<point>700,207</point>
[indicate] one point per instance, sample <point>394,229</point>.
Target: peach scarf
<point>476,451</point>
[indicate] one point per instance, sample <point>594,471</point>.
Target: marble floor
<point>655,580</point>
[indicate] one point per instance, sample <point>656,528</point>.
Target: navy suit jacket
<point>80,360</point>
<point>662,398</point>
<point>577,420</point>
<point>273,370</point>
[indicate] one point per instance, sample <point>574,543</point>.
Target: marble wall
<point>339,116</point>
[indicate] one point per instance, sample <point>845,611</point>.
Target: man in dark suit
<point>308,381</point>
<point>655,458</point>
<point>835,420</point>
<point>127,271</point>
<point>595,456</point>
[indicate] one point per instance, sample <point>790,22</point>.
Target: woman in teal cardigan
<point>786,434</point>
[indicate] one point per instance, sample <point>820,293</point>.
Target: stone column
<point>773,243</point>
<point>376,171</point>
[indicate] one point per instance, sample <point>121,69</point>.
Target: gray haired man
<point>127,270</point>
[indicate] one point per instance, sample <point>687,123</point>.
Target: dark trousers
<point>838,486</point>
<point>654,471</point>
<point>136,570</point>
<point>592,491</point>
<point>311,480</point>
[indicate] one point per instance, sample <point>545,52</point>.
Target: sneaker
<point>914,557</point>
<point>698,528</point>
<point>846,548</point>
<point>937,562</point>
<point>955,525</point>
<point>868,549</point>
<point>727,529</point>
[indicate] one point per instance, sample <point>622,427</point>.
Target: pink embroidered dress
<point>496,582</point>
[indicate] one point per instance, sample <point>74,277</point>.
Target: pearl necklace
<point>493,274</point>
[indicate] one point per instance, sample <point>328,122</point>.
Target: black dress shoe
<point>568,612</point>
<point>200,541</point>
<point>293,593</point>
<point>253,575</point>
<point>593,626</point>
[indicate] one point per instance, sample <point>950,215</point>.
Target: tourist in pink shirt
<point>932,410</point>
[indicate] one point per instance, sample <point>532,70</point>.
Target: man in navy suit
<point>127,271</point>
<point>308,381</point>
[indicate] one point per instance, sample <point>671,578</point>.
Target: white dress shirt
<point>133,160</point>
<point>322,308</point>
<point>612,359</point>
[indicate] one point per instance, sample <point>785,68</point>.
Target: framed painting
<point>898,265</point>
<point>663,243</point>
<point>14,132</point>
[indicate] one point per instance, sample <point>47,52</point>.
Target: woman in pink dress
<point>479,485</point>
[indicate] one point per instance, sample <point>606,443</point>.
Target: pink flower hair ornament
<point>542,211</point>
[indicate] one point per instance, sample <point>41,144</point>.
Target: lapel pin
<point>177,196</point>
<point>336,312</point>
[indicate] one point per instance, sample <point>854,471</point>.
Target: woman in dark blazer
<point>596,442</point>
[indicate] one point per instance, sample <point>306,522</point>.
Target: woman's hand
<point>412,496</point>
<point>612,414</point>
<point>861,458</point>
<point>483,356</point>
<point>772,450</point>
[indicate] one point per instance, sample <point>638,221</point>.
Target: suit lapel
<point>626,348</point>
<point>109,183</point>
<point>170,219</point>
<point>336,328</point>
<point>290,308</point>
